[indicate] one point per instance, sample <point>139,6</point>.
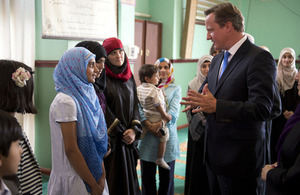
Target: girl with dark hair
<point>16,96</point>
<point>78,128</point>
<point>10,148</point>
<point>100,83</point>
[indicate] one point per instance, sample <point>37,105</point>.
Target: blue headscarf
<point>70,78</point>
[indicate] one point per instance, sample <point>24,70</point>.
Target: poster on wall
<point>79,19</point>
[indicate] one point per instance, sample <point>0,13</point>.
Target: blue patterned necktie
<point>225,62</point>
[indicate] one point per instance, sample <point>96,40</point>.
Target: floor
<point>179,166</point>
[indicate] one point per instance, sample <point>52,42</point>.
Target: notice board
<point>79,19</point>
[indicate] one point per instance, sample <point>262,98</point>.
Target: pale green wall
<point>142,6</point>
<point>163,11</point>
<point>46,49</point>
<point>275,25</point>
<point>44,95</point>
<point>183,72</point>
<point>268,21</point>
<point>200,46</point>
<point>126,24</point>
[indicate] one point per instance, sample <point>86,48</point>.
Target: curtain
<point>17,42</point>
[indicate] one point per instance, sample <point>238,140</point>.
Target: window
<point>203,5</point>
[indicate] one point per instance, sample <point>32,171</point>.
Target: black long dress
<point>196,180</point>
<point>120,165</point>
<point>289,102</point>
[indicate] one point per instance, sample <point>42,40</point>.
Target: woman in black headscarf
<point>100,52</point>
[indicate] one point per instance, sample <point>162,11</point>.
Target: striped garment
<point>150,97</point>
<point>29,173</point>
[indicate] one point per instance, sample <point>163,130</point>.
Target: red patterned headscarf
<point>111,44</point>
<point>165,83</point>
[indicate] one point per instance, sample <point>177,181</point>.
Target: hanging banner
<point>79,19</point>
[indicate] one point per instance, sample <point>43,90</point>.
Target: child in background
<point>16,96</point>
<point>153,102</point>
<point>10,148</point>
<point>78,128</point>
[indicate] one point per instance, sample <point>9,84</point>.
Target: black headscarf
<point>97,49</point>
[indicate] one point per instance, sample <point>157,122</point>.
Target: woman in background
<point>122,118</point>
<point>283,177</point>
<point>148,145</point>
<point>196,180</point>
<point>100,83</point>
<point>213,51</point>
<point>286,72</point>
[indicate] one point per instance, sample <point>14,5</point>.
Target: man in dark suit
<point>237,97</point>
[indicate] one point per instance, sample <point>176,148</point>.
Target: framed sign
<point>79,19</point>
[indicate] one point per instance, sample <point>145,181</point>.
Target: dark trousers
<point>220,184</point>
<point>268,141</point>
<point>166,179</point>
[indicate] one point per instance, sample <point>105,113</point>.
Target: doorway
<point>148,37</point>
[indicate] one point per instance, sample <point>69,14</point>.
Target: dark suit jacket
<point>235,139</point>
<point>286,178</point>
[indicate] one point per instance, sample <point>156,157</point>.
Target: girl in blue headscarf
<point>78,128</point>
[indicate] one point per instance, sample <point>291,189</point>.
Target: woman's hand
<point>154,128</point>
<point>101,181</point>
<point>169,117</point>
<point>128,136</point>
<point>266,169</point>
<point>288,114</point>
<point>76,158</point>
<point>107,153</point>
<point>97,189</point>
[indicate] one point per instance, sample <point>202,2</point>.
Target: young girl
<point>78,128</point>
<point>10,148</point>
<point>16,96</point>
<point>100,83</point>
<point>153,102</point>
